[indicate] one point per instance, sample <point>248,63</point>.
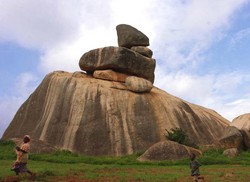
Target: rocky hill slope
<point>111,107</point>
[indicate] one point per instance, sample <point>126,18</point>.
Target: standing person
<point>22,157</point>
<point>194,166</point>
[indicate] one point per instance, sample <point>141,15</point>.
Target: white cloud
<point>239,36</point>
<point>44,24</point>
<point>25,84</point>
<point>187,28</point>
<point>219,92</point>
<point>235,108</point>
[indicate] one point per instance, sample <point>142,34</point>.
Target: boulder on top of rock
<point>168,150</point>
<point>143,51</point>
<point>232,138</point>
<point>129,36</point>
<point>119,59</point>
<point>137,84</point>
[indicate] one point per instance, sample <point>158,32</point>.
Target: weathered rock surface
<point>143,51</point>
<point>129,36</point>
<point>110,75</point>
<point>246,138</point>
<point>168,150</point>
<point>232,138</point>
<point>118,59</point>
<point>90,116</point>
<point>242,121</point>
<point>137,84</point>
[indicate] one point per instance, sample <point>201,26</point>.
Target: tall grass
<point>62,163</point>
<point>7,150</point>
<point>210,157</point>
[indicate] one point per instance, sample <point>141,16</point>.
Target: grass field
<point>67,166</point>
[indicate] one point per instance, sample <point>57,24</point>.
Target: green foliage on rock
<point>176,135</point>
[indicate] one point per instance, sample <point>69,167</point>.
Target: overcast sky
<point>201,46</point>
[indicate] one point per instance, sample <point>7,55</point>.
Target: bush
<point>179,136</point>
<point>176,135</point>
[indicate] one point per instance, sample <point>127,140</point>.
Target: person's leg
<point>201,177</point>
<point>28,171</point>
<point>196,178</point>
<point>16,171</point>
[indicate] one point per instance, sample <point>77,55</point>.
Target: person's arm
<point>19,155</point>
<point>20,150</point>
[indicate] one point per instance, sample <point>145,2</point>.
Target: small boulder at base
<point>168,150</point>
<point>232,152</point>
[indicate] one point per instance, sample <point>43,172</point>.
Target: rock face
<point>246,138</point>
<point>113,108</point>
<point>168,150</point>
<point>231,138</point>
<point>110,75</point>
<point>137,84</point>
<point>242,121</point>
<point>94,117</point>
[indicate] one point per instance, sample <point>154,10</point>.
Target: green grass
<point>60,165</point>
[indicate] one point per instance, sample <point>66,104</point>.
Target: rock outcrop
<point>246,138</point>
<point>232,138</point>
<point>94,117</point>
<point>112,108</point>
<point>242,121</point>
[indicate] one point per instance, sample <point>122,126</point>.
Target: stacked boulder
<point>130,63</point>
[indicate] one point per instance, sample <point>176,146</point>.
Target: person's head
<point>192,156</point>
<point>26,139</point>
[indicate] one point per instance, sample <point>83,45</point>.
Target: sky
<point>201,47</point>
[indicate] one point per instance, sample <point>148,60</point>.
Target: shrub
<point>176,135</point>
